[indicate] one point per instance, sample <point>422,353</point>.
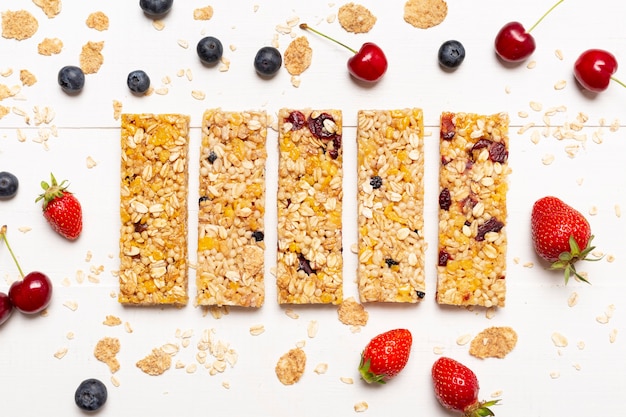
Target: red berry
<point>61,209</point>
<point>32,294</point>
<point>385,356</point>
<point>6,307</point>
<point>594,69</point>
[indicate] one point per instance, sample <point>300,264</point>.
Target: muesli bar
<point>231,245</point>
<point>310,194</point>
<point>390,205</point>
<point>153,209</point>
<point>472,209</point>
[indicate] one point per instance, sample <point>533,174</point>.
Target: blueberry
<point>267,61</point>
<point>8,185</point>
<point>138,81</point>
<point>71,79</point>
<point>156,7</point>
<point>451,54</point>
<point>209,50</point>
<point>90,395</point>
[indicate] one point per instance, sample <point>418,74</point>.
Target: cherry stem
<point>544,15</point>
<point>3,232</point>
<point>307,27</point>
<point>619,82</point>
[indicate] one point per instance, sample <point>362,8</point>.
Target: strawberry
<point>456,388</point>
<point>61,209</point>
<point>385,356</point>
<point>561,235</point>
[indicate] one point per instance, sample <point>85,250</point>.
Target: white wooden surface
<point>33,382</point>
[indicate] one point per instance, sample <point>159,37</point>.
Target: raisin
<point>258,236</point>
<point>447,127</point>
<point>498,152</point>
<point>444,257</point>
<point>491,225</point>
<point>376,182</point>
<point>391,262</point>
<point>334,152</point>
<point>445,200</point>
<point>140,227</point>
<point>305,265</point>
<point>482,144</point>
<point>420,294</point>
<point>316,126</point>
<point>297,119</point>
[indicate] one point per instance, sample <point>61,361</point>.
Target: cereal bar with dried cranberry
<point>231,246</point>
<point>390,205</point>
<point>472,209</point>
<point>153,209</point>
<point>310,194</point>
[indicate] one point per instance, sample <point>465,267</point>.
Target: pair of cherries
<point>593,69</point>
<point>30,295</point>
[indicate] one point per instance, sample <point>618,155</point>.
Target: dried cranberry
<point>305,265</point>
<point>140,227</point>
<point>447,127</point>
<point>316,126</point>
<point>491,225</point>
<point>498,152</point>
<point>297,119</point>
<point>444,257</point>
<point>334,152</point>
<point>468,203</point>
<point>482,144</point>
<point>445,201</point>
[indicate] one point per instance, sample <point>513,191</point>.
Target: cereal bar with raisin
<point>310,195</point>
<point>472,209</point>
<point>153,209</point>
<point>231,246</point>
<point>390,205</point>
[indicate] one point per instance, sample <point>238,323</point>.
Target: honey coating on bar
<point>310,194</point>
<point>390,206</point>
<point>231,229</point>
<point>472,209</point>
<point>153,209</point>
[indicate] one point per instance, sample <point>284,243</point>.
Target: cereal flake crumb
<point>156,363</point>
<point>290,366</point>
<point>91,58</point>
<point>117,109</point>
<point>356,18</point>
<point>112,321</point>
<point>50,46</point>
<point>203,13</point>
<point>98,21</point>
<point>4,111</point>
<point>352,313</point>
<point>50,7</point>
<point>18,25</point>
<point>27,78</point>
<point>361,407</point>
<point>424,14</point>
<point>106,350</point>
<point>493,342</point>
<point>298,56</point>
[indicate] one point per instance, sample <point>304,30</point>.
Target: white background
<point>536,379</point>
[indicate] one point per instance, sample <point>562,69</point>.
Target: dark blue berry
<point>8,185</point>
<point>156,7</point>
<point>258,236</point>
<point>451,54</point>
<point>138,81</point>
<point>268,61</point>
<point>376,182</point>
<point>71,79</point>
<point>212,157</point>
<point>209,50</point>
<point>90,395</point>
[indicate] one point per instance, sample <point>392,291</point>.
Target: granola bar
<point>390,206</point>
<point>231,246</point>
<point>153,209</point>
<point>310,194</point>
<point>472,209</point>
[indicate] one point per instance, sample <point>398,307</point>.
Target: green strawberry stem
<point>568,259</point>
<point>307,27</point>
<point>544,15</point>
<point>481,409</point>
<point>3,232</point>
<point>52,190</point>
<point>367,375</point>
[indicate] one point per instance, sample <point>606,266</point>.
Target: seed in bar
<point>153,209</point>
<point>310,194</point>
<point>391,205</point>
<point>472,209</point>
<point>231,245</point>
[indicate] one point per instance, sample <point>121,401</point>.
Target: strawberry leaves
<point>567,260</point>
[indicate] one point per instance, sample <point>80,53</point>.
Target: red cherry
<point>367,64</point>
<point>513,43</point>
<point>594,69</point>
<point>32,294</point>
<point>6,308</point>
